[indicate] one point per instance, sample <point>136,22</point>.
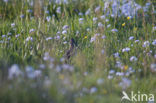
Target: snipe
<point>71,50</point>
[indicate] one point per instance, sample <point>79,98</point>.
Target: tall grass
<point>113,53</point>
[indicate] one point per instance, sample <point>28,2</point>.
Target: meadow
<point>114,50</point>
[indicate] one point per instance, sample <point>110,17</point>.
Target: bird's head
<point>72,42</point>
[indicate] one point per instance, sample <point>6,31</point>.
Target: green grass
<point>76,80</point>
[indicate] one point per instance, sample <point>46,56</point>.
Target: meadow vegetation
<point>115,50</point>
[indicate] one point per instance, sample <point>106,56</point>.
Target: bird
<point>71,50</point>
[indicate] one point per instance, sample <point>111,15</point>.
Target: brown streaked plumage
<point>71,51</point>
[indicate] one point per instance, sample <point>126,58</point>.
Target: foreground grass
<point>113,54</point>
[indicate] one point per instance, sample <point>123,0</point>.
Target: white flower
<point>77,33</point>
<point>106,4</point>
<point>9,38</point>
<point>87,12</point>
<point>13,25</point>
<point>111,71</point>
<point>46,56</point>
<point>57,37</point>
<point>58,1</point>
<point>93,90</point>
<point>48,18</point>
<point>131,37</point>
<point>37,73</point>
<point>107,20</point>
<point>29,69</point>
<point>103,17</point>
<point>126,49</point>
<point>67,67</point>
<point>3,36</point>
<point>65,42</point>
<point>29,11</point>
<point>88,29</point>
<point>145,44</point>
<point>108,25</point>
<point>97,34</point>
<point>14,71</point>
<point>81,20</point>
<point>93,39</point>
<point>136,41</point>
<point>110,77</point>
<point>47,12</point>
<point>133,58</point>
<point>100,81</point>
<point>102,51</point>
<point>58,10</point>
<point>17,35</point>
<point>47,83</point>
<point>42,66</point>
<point>85,73</point>
<point>48,38</point>
<point>118,64</point>
<point>31,73</point>
<point>65,1</point>
<point>125,83</point>
<point>65,27</point>
<point>80,14</point>
<point>62,59</point>
<point>97,8</point>
<point>119,74</point>
<point>64,38</point>
<point>153,67</point>
<point>31,30</point>
<point>58,68</point>
<point>84,89</point>
<point>9,33</point>
<point>5,1</point>
<point>103,37</point>
<point>116,55</point>
<point>58,32</point>
<point>95,19</point>
<point>100,24</point>
<point>154,42</point>
<point>29,39</point>
<point>114,30</point>
<point>64,32</point>
<point>150,101</point>
<point>22,16</point>
<point>154,29</point>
